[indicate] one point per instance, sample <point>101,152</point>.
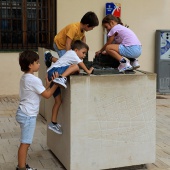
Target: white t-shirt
<point>30,89</point>
<point>69,58</point>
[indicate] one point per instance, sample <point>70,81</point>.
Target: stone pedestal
<point>108,121</point>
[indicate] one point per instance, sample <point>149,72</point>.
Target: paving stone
<point>35,163</point>
<point>2,160</point>
<point>7,166</point>
<point>14,141</point>
<point>47,154</point>
<point>42,158</point>
<point>36,147</point>
<point>49,163</point>
<point>10,156</point>
<point>6,135</point>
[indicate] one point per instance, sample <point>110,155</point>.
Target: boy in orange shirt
<point>73,32</point>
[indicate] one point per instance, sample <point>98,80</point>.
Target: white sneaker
<point>135,64</point>
<point>61,80</point>
<point>125,66</point>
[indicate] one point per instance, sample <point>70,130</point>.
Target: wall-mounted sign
<point>113,8</point>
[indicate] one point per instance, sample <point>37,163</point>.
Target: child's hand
<point>90,70</point>
<point>104,53</point>
<point>55,75</point>
<point>97,53</point>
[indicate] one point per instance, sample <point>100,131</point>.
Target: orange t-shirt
<point>72,31</point>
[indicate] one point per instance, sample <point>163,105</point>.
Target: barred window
<point>27,24</point>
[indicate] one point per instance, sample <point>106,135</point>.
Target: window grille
<point>27,24</point>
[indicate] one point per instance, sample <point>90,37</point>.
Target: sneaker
<point>56,128</point>
<point>48,58</point>
<point>61,80</point>
<point>27,168</point>
<point>125,66</point>
<point>135,64</point>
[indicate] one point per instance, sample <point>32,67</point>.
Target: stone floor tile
<point>14,141</point>
<point>42,158</point>
<point>10,156</point>
<point>36,147</point>
<point>35,163</point>
<point>2,160</point>
<point>6,135</point>
<point>8,166</point>
<point>49,164</point>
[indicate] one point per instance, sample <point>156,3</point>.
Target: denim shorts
<point>60,52</point>
<point>133,51</point>
<point>27,125</point>
<point>60,70</point>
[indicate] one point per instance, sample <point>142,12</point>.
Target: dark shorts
<point>60,70</point>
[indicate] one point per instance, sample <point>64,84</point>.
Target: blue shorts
<point>27,125</point>
<point>133,51</point>
<point>60,52</point>
<point>60,70</point>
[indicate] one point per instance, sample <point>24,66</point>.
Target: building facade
<point>43,19</point>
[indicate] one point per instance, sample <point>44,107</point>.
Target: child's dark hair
<point>78,44</point>
<point>91,19</point>
<point>108,18</point>
<point>26,58</point>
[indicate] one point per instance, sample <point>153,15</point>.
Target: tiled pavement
<point>41,157</point>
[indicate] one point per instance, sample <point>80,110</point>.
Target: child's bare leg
<point>55,108</point>
<point>113,50</point>
<point>22,154</point>
<point>72,69</point>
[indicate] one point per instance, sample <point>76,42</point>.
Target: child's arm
<point>88,71</point>
<point>49,91</point>
<point>84,39</point>
<point>47,84</point>
<point>109,41</point>
<point>68,43</point>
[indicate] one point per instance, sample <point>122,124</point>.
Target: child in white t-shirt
<point>68,64</point>
<point>31,90</point>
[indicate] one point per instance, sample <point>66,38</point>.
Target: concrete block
<point>108,121</point>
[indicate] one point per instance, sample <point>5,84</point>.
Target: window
<point>27,24</point>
